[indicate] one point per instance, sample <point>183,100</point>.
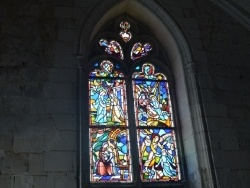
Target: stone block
<point>32,90</point>
<point>216,123</point>
<point>30,75</point>
<point>219,158</point>
<point>228,139</point>
<point>208,95</point>
<point>66,34</point>
<point>64,47</point>
<point>205,81</point>
<point>6,141</point>
<point>189,12</point>
<point>64,60</point>
<point>36,106</point>
<point>189,23</point>
<point>216,110</point>
<point>54,90</point>
<point>7,124</point>
<point>5,181</point>
<point>63,12</point>
<point>59,161</point>
<point>196,44</point>
<point>242,124</point>
<point>10,89</point>
<point>65,181</point>
<point>238,111</point>
<point>63,75</point>
<point>79,13</point>
<point>29,141</point>
<point>14,163</point>
<point>68,3</point>
<point>13,105</point>
<point>237,159</point>
<point>42,181</point>
<point>69,24</point>
<point>62,141</point>
<point>244,140</point>
<point>85,3</point>
<point>33,138</point>
<point>66,122</point>
<point>61,106</point>
<point>225,177</point>
<point>36,164</point>
<point>233,178</point>
<point>23,181</point>
<point>229,83</point>
<point>35,10</point>
<point>214,138</point>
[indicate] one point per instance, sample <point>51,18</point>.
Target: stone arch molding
<point>162,26</point>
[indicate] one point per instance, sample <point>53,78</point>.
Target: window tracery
<point>126,75</point>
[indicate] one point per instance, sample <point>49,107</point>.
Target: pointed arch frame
<point>173,42</point>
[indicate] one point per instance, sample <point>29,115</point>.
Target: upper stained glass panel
<point>125,34</point>
<point>139,50</point>
<point>112,48</point>
<point>107,97</point>
<point>152,102</point>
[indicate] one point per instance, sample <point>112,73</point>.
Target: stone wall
<point>39,89</point>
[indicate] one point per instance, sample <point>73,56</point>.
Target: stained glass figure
<point>110,155</point>
<point>158,155</point>
<point>107,96</point>
<point>112,47</point>
<point>140,50</point>
<point>152,103</point>
<point>125,34</point>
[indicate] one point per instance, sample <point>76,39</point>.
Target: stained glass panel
<point>152,103</point>
<point>158,155</point>
<point>112,47</point>
<point>139,50</point>
<point>110,159</point>
<point>107,96</point>
<point>125,34</point>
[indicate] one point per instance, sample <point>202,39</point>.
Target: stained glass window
<point>125,34</point>
<point>109,139</point>
<point>151,98</point>
<point>109,155</point>
<point>112,47</point>
<point>129,99</point>
<point>153,115</point>
<point>140,50</point>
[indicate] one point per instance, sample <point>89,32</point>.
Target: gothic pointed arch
<point>173,43</point>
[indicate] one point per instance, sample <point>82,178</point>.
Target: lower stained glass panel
<point>110,159</point>
<point>158,155</point>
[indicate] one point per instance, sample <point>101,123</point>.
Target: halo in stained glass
<point>107,96</point>
<point>152,103</point>
<point>112,48</point>
<point>158,155</point>
<point>110,159</point>
<point>125,34</point>
<point>139,50</point>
